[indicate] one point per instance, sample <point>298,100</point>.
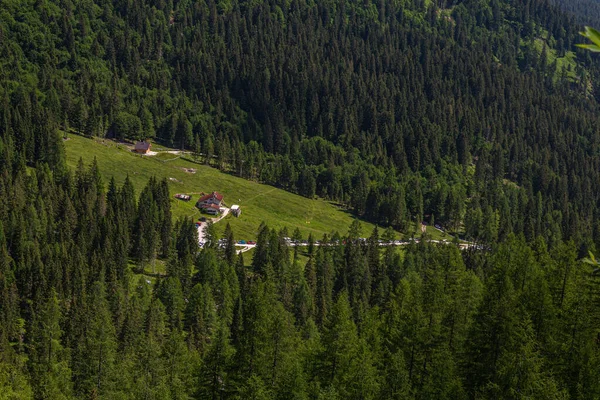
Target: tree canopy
<point>476,115</point>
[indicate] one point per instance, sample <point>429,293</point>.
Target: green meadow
<point>258,202</point>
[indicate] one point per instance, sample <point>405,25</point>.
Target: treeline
<point>347,319</point>
<point>383,107</point>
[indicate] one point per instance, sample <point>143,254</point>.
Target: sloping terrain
<point>585,11</point>
<point>259,202</point>
<point>479,115</point>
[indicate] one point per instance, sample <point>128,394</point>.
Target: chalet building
<point>236,210</point>
<point>211,209</point>
<point>210,203</point>
<point>142,147</point>
<point>213,198</point>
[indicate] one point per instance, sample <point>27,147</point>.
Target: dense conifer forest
<point>585,11</point>
<point>479,115</point>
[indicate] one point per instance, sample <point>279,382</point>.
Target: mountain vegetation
<point>414,110</point>
<point>260,203</point>
<point>585,11</point>
<point>480,115</point>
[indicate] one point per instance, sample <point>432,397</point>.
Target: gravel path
<point>202,225</point>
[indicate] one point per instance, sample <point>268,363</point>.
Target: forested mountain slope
<point>386,103</point>
<point>477,114</point>
<point>586,11</point>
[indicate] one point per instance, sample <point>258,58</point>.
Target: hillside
<point>477,115</point>
<point>260,203</point>
<point>389,104</point>
<point>587,12</point>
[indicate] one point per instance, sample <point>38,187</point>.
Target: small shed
<point>142,147</point>
<point>236,210</point>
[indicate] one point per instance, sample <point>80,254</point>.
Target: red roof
<point>216,195</point>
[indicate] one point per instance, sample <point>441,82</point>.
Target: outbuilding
<point>142,147</point>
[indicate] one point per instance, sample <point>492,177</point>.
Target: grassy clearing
<point>248,257</point>
<point>567,63</point>
<point>166,156</point>
<point>259,202</point>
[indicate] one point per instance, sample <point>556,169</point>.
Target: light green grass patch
<point>566,64</point>
<point>258,202</point>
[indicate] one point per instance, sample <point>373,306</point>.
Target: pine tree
<point>14,382</point>
<point>230,252</point>
<point>180,365</point>
<point>9,312</point>
<point>325,284</point>
<point>214,374</point>
<point>200,316</point>
<point>346,363</point>
<point>94,359</point>
<point>150,365</point>
<point>260,260</point>
<point>49,360</point>
<point>396,384</point>
<point>171,296</point>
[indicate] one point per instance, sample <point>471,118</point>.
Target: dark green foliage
<point>460,113</point>
<point>217,363</point>
<point>49,360</point>
<point>371,133</point>
<point>585,11</point>
<point>128,126</point>
<point>353,320</point>
<point>230,250</point>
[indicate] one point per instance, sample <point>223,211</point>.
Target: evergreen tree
<point>346,364</point>
<point>94,359</point>
<point>214,381</point>
<point>230,251</point>
<point>49,359</point>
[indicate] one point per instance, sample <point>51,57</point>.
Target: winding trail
<point>247,247</point>
<point>260,194</point>
<point>395,243</point>
<point>201,225</point>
